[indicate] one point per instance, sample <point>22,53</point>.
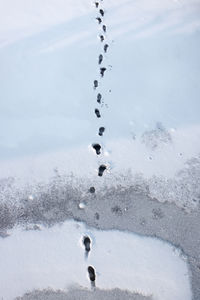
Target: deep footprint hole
<point>104,28</point>
<point>97,112</point>
<point>102,168</point>
<point>101,131</point>
<point>91,272</point>
<point>87,243</point>
<point>92,190</point>
<point>100,58</point>
<point>101,38</point>
<point>102,71</point>
<point>97,148</point>
<point>105,47</point>
<point>95,84</point>
<point>99,97</point>
<point>101,11</point>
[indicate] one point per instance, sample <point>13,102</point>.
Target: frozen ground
<point>117,208</point>
<point>81,294</point>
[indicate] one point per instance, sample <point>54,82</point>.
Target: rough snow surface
<point>54,257</point>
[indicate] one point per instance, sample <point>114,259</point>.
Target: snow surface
<point>48,57</point>
<point>54,257</point>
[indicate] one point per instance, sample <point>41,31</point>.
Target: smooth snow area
<point>48,57</point>
<point>55,258</point>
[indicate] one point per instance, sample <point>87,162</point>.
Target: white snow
<point>54,258</point>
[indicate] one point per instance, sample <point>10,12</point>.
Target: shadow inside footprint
<point>92,276</point>
<point>104,28</point>
<point>100,58</point>
<point>97,112</point>
<point>97,148</point>
<point>95,84</point>
<point>102,71</point>
<point>101,12</point>
<point>92,190</point>
<point>105,47</point>
<point>102,168</point>
<point>101,38</point>
<point>87,242</point>
<point>101,130</point>
<point>99,97</point>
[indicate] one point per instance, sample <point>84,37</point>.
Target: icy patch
<point>55,258</point>
<point>184,189</point>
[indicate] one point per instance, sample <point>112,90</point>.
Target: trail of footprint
<point>97,147</point>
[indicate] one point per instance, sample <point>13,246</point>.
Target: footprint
<point>105,48</point>
<point>101,12</point>
<point>91,273</point>
<point>99,20</point>
<point>96,4</point>
<point>101,131</point>
<point>95,84</point>
<point>104,28</point>
<point>102,168</point>
<point>100,58</point>
<point>97,148</point>
<point>86,243</point>
<point>102,71</point>
<point>97,112</point>
<point>92,190</point>
<point>99,97</point>
<point>101,38</point>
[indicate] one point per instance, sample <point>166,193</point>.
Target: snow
<point>54,257</point>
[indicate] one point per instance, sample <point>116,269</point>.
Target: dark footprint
<point>97,148</point>
<point>91,273</point>
<point>99,97</point>
<point>95,84</point>
<point>101,12</point>
<point>92,190</point>
<point>97,112</point>
<point>105,48</point>
<point>86,243</point>
<point>99,20</point>
<point>101,38</point>
<point>101,130</point>
<point>100,58</point>
<point>97,4</point>
<point>104,28</point>
<point>102,71</point>
<point>102,168</point>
